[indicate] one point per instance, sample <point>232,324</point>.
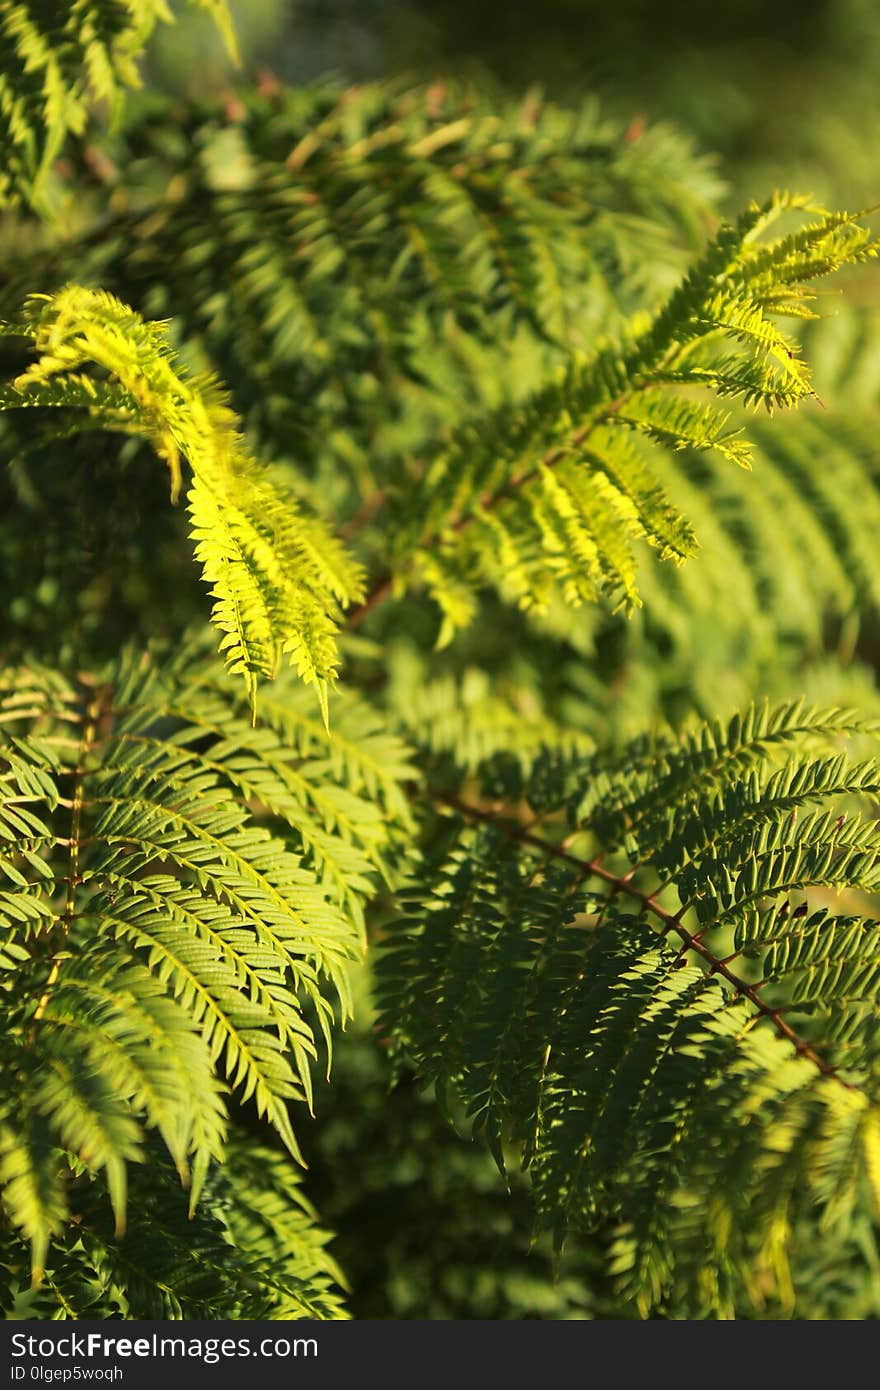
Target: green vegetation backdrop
<point>440,493</point>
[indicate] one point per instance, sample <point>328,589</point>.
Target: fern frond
<point>339,793</point>
<point>382,237</point>
<point>165,946</point>
<point>646,971</point>
<point>278,578</point>
<point>252,1250</point>
<point>674,1042</point>
<point>57,61</point>
<point>517,499</point>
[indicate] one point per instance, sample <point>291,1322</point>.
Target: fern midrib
<point>95,710</point>
<point>305,794</point>
<point>642,380</point>
<point>705,773</point>
<point>260,992</point>
<point>671,923</point>
<point>253,1069</point>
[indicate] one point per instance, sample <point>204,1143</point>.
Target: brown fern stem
<point>379,592</point>
<point>622,884</point>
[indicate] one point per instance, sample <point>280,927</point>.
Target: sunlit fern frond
<point>57,61</point>
<point>278,578</point>
<point>177,918</point>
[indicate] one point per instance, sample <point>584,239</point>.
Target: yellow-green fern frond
<point>550,496</point>
<point>278,578</point>
<point>57,60</point>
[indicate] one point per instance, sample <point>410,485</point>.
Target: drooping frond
<point>455,1243</point>
<point>672,1008</point>
<point>59,59</point>
<point>175,905</point>
<point>277,577</point>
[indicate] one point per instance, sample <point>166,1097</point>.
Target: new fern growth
<point>503,357</point>
<point>276,577</point>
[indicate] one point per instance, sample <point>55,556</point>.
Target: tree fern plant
<point>493,374</point>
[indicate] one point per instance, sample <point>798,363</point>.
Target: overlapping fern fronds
<point>58,61</point>
<point>658,977</point>
<point>548,498</point>
<point>419,199</point>
<point>180,897</point>
<point>253,1248</point>
<point>277,577</point>
<point>320,256</point>
<point>462,329</point>
<point>424,247</point>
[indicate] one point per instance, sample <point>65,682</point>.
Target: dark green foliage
<point>252,1250</point>
<point>505,361</point>
<point>696,1060</point>
<point>428,1228</point>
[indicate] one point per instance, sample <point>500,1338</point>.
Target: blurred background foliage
<point>784,95</point>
